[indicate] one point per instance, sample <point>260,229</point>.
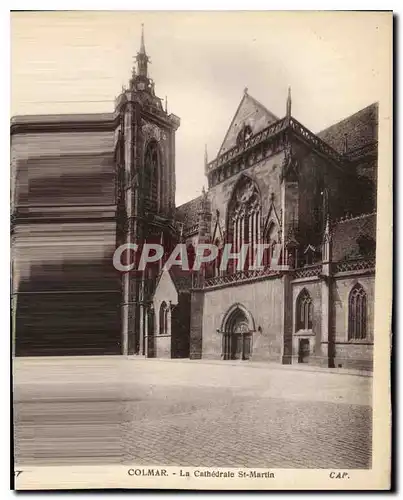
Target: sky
<point>77,62</point>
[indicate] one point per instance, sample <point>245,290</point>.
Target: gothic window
<point>357,313</point>
<point>163,319</point>
<point>244,218</point>
<point>304,311</point>
<point>151,176</point>
<point>244,135</point>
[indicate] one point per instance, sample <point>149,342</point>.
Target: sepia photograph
<point>201,249</point>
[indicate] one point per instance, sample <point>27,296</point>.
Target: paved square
<point>189,413</point>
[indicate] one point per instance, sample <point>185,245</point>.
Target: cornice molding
<point>281,128</point>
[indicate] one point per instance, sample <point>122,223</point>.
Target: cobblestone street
<point>189,413</point>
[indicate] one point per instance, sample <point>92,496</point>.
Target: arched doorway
<point>237,336</point>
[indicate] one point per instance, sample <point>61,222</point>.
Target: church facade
<point>82,185</point>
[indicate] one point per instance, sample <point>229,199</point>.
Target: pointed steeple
<point>288,113</point>
<point>142,46</point>
<point>142,58</point>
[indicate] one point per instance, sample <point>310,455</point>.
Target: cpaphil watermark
<point>256,257</point>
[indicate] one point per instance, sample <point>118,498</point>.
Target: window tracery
<point>244,223</point>
<point>357,313</point>
<point>304,311</point>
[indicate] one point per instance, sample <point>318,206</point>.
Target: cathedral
<point>83,185</point>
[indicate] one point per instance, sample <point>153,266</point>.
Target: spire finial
<point>246,90</point>
<point>166,104</point>
<point>142,46</point>
<point>142,58</point>
<point>205,155</point>
<point>289,102</point>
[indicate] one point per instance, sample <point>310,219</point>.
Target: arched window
<point>304,311</point>
<point>163,319</point>
<point>244,216</point>
<point>244,135</point>
<point>151,176</point>
<point>357,313</point>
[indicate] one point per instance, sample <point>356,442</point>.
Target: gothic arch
<point>237,307</point>
<point>163,318</point>
<point>238,183</point>
<point>238,327</point>
<point>153,176</point>
<point>244,216</point>
<point>303,311</point>
<point>357,313</point>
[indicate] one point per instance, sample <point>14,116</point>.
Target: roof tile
<point>359,129</point>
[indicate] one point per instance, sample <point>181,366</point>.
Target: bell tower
<point>146,172</point>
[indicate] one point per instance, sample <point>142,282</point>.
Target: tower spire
<point>289,103</point>
<point>142,58</point>
<point>142,46</point>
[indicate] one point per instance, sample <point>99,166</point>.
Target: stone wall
<point>263,300</point>
<point>352,353</point>
<point>196,324</point>
<point>181,327</point>
<point>162,345</point>
<point>313,287</point>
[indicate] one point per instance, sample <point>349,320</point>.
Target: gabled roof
<point>249,111</point>
<point>351,235</point>
<point>187,213</point>
<point>181,279</point>
<point>357,130</point>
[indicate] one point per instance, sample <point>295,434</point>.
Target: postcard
<point>201,243</point>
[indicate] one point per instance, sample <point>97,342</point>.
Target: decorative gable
<point>165,290</point>
<point>250,117</point>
